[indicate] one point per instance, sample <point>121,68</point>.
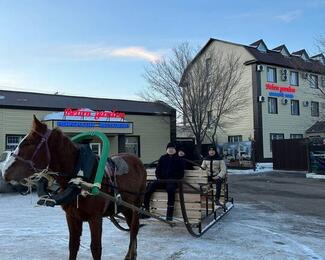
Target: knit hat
<point>211,147</point>
<point>171,145</point>
<point>181,148</point>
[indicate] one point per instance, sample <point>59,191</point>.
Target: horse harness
<point>44,179</point>
<point>44,140</point>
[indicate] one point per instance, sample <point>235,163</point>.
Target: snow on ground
<point>28,232</point>
<point>260,168</point>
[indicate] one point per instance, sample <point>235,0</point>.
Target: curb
<point>315,176</point>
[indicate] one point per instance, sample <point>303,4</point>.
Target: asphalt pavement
<point>281,192</point>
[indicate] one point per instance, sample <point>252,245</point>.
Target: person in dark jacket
<point>170,167</point>
<point>182,154</point>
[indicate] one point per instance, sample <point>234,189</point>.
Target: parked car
<point>4,187</point>
<point>4,157</point>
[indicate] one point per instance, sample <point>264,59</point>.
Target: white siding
<point>284,122</point>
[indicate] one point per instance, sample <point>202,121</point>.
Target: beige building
<point>142,128</point>
<point>283,93</point>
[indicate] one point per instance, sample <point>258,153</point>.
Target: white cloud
<point>98,52</point>
<point>289,16</point>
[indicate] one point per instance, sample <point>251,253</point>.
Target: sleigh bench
<point>198,196</point>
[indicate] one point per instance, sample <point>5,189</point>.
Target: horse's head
<point>31,154</point>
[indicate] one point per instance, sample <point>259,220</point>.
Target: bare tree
<point>321,44</point>
<point>321,48</point>
<point>204,90</point>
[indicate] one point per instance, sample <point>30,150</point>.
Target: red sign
<point>97,114</point>
<point>271,86</point>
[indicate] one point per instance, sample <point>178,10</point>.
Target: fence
<point>291,154</point>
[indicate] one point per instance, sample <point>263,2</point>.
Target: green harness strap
<point>103,158</point>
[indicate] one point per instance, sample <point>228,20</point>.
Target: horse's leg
<point>75,231</point>
<point>132,218</point>
<point>95,226</point>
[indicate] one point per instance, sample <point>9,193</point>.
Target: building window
<point>294,78</point>
<point>132,145</point>
<point>323,81</point>
<point>295,107</point>
<point>235,138</point>
<point>208,66</point>
<point>209,117</point>
<point>296,136</point>
<point>12,141</point>
<point>271,74</point>
<point>208,90</point>
<point>275,137</point>
<point>273,105</point>
<point>95,147</point>
<point>313,81</point>
<point>314,108</point>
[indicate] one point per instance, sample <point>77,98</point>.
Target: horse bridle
<point>44,140</point>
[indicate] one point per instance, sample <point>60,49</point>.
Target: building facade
<point>284,91</point>
<point>141,128</point>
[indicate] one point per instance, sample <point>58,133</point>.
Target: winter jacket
<point>170,167</point>
<point>186,163</point>
<point>219,168</point>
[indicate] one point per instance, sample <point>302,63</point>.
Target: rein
<point>44,140</point>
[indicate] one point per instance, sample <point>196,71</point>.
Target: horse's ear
<point>36,123</point>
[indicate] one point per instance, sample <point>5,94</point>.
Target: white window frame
<point>129,143</point>
<point>293,112</point>
<point>313,110</point>
<point>99,148</point>
<point>313,81</point>
<point>12,145</point>
<point>208,64</point>
<point>278,136</point>
<point>235,138</point>
<point>270,104</point>
<point>268,70</point>
<point>296,83</point>
<point>296,136</point>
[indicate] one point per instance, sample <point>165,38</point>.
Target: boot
<point>170,212</point>
<point>144,216</point>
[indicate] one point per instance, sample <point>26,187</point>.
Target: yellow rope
<point>32,180</point>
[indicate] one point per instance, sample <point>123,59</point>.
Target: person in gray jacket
<point>216,170</point>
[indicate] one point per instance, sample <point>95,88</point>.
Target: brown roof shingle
<point>29,100</point>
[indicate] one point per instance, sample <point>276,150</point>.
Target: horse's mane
<point>64,151</point>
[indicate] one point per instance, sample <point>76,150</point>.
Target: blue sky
<point>100,48</point>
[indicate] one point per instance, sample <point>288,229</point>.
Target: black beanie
<point>181,149</point>
<point>171,145</point>
<point>211,147</point>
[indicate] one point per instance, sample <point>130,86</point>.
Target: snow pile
<point>260,168</point>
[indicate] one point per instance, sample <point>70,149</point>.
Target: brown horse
<point>43,148</point>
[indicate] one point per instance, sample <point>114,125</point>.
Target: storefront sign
<point>92,124</point>
<point>96,114</point>
<point>280,94</point>
<point>270,86</point>
<point>287,92</point>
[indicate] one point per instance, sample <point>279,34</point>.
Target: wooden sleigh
<point>194,203</point>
